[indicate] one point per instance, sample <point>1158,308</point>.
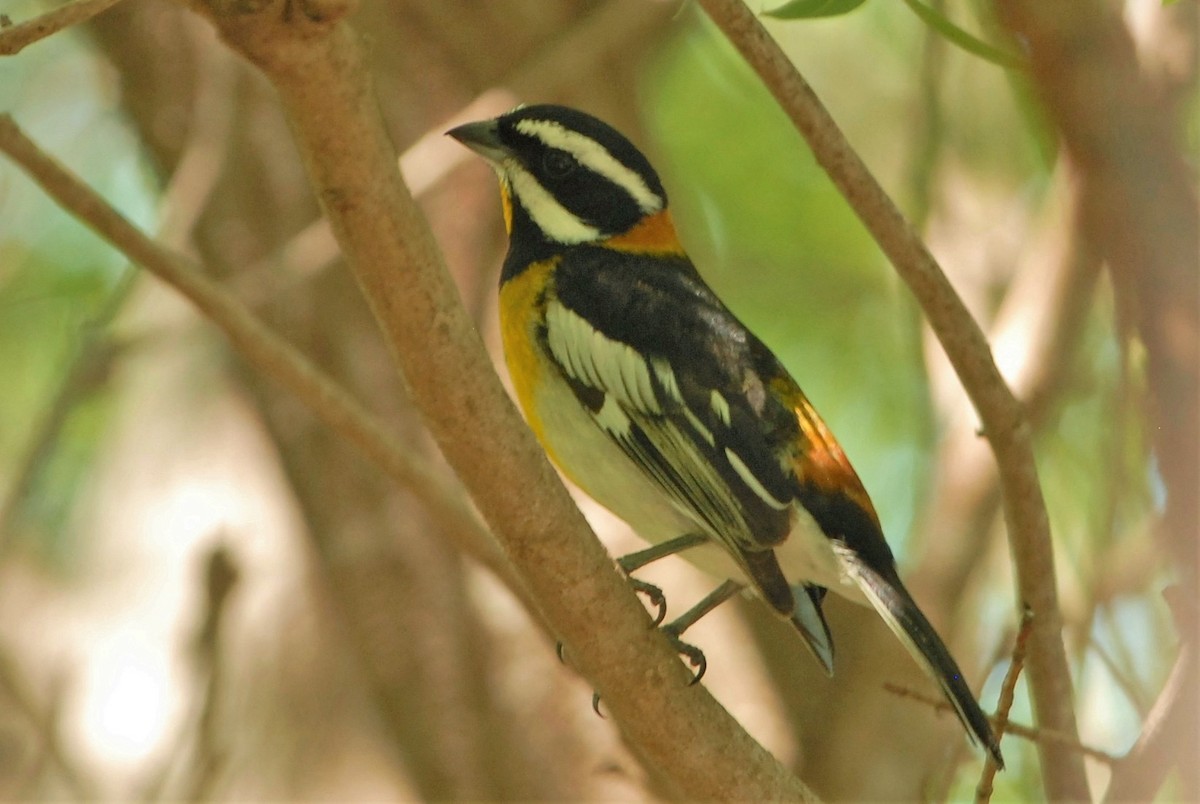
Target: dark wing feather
<point>712,417</point>
<point>679,383</point>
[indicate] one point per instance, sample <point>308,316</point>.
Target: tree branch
<point>313,60</point>
<point>15,38</point>
<point>262,348</point>
<point>983,790</point>
<point>1026,732</point>
<point>968,351</point>
<point>1140,774</point>
<point>1141,211</point>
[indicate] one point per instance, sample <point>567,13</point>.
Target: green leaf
<point>966,41</point>
<point>812,9</point>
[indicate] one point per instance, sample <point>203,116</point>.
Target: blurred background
<point>206,594</point>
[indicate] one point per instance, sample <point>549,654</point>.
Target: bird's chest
<point>522,311</point>
<point>564,427</point>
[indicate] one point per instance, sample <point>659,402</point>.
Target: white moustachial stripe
<point>595,157</point>
<point>550,216</point>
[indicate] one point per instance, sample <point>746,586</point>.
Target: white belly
<point>615,481</point>
<point>573,439</point>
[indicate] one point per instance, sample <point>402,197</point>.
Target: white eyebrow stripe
<point>596,157</point>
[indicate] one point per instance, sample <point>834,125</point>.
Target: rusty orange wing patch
<point>819,459</point>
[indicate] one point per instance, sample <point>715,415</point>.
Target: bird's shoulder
<point>660,306</point>
<point>649,332</point>
<point>662,309</point>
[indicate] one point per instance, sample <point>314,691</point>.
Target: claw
<point>634,561</point>
<point>560,652</point>
<point>694,656</point>
<point>655,596</point>
<point>674,629</point>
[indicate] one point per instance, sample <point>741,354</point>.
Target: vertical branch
<point>983,791</point>
<point>1004,425</point>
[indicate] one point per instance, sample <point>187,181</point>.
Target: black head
<point>571,178</point>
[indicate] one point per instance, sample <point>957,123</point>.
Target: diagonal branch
<point>313,60</point>
<point>1004,424</point>
<point>15,38</point>
<point>265,350</point>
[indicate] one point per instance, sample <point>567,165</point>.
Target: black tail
<point>808,618</point>
<point>897,608</point>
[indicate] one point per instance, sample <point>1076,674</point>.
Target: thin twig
<point>1004,424</point>
<point>16,38</point>
<point>1034,735</point>
<point>983,791</point>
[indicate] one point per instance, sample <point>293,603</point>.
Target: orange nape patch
<point>820,459</point>
<point>653,234</point>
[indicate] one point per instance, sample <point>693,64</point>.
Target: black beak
<point>483,138</point>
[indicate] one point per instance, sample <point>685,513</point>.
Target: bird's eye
<point>558,164</point>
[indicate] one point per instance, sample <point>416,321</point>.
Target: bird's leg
<point>635,561</point>
<point>674,629</point>
<point>639,559</point>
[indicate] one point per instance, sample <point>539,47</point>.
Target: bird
<point>651,396</point>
